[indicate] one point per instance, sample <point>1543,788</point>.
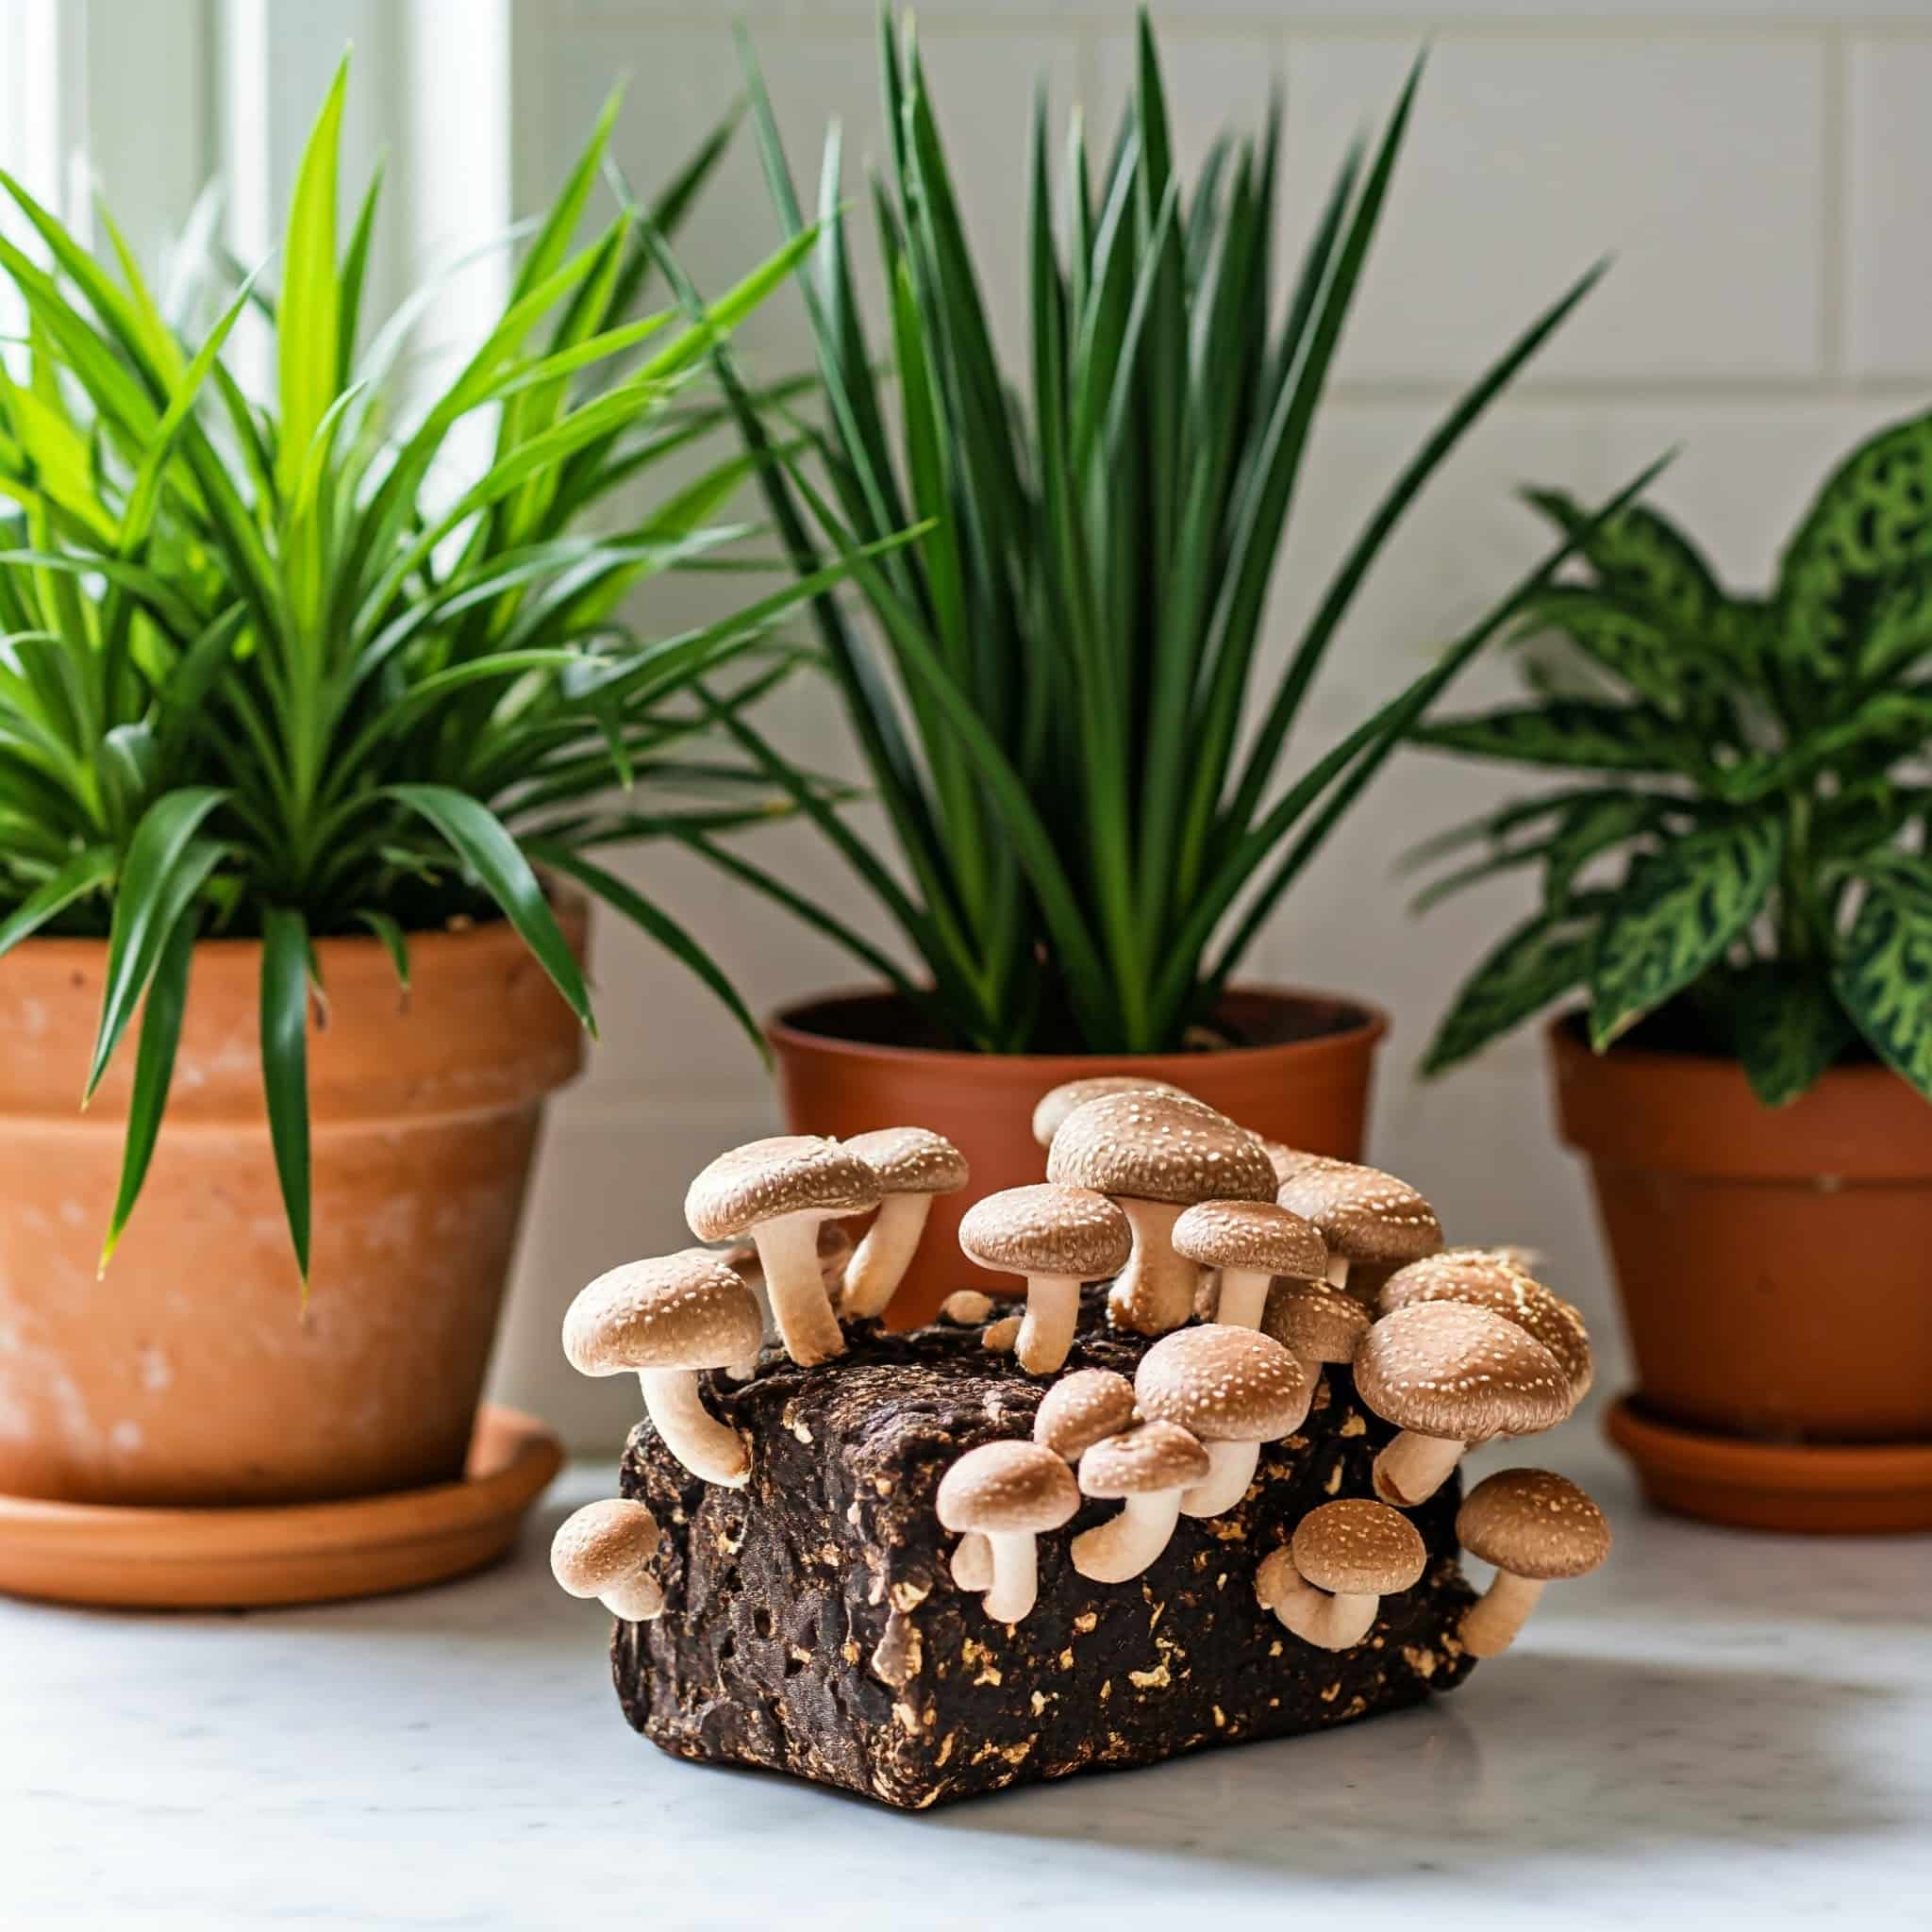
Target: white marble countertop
<point>1719,1729</point>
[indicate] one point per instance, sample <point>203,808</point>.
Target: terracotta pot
<point>195,1373</point>
<point>1305,1082</point>
<point>1772,1261</point>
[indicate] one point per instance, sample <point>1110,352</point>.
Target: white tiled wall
<point>1763,173</point>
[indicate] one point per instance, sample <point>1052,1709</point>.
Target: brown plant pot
<point>194,1373</point>
<point>1303,1080</point>
<point>1772,1263</point>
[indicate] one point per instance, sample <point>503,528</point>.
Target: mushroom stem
<point>1015,1574</point>
<point>1412,1468</point>
<point>636,1601</point>
<point>1155,1289</point>
<point>1232,1469</point>
<point>973,1563</point>
<point>692,1433</point>
<point>879,1264</point>
<point>1330,1623</point>
<point>1047,1333</point>
<point>788,1254</point>
<point>1125,1544</point>
<point>1491,1623</point>
<point>1243,1295</point>
<point>1338,1271</point>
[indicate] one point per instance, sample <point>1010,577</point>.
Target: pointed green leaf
<point>1884,978</point>
<point>308,318</point>
<point>1538,964</point>
<point>1569,732</point>
<point>85,873</point>
<point>1790,1028</point>
<point>285,970</point>
<point>1643,556</point>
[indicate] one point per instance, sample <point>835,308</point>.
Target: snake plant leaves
<point>1679,910</point>
<point>1872,519</point>
<point>1642,556</point>
<point>1885,975</point>
<point>1538,964</point>
<point>286,961</point>
<point>1789,1028</point>
<point>1571,732</point>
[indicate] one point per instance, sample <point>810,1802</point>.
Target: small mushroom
<point>973,1563</point>
<point>667,1319</point>
<point>1232,1388</point>
<point>1496,1279</point>
<point>1364,1214</point>
<point>1146,1467</point>
<point>913,1164</point>
<point>999,1336</point>
<point>1344,1557</point>
<point>1010,1493</point>
<point>1057,1103</point>
<point>1082,1409</point>
<point>835,1251</point>
<point>1448,1375</point>
<point>778,1191</point>
<point>1251,1243</point>
<point>1317,1325</point>
<point>1537,1528</point>
<point>966,1307</point>
<point>1157,1154</point>
<point>1057,1238</point>
<point>601,1552</point>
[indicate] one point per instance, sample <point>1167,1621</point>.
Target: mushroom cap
<point>1356,1547</point>
<point>1315,1322</point>
<point>1007,1486</point>
<point>1143,1460</point>
<point>1081,1408</point>
<point>789,1173</point>
<point>1044,1229</point>
<point>911,1160</point>
<point>1160,1148</point>
<point>1459,1373</point>
<point>1225,1385</point>
<point>1364,1214</point>
<point>1254,1235</point>
<point>1534,1523</point>
<point>603,1544</point>
<point>1491,1278</point>
<point>1057,1103</point>
<point>1283,1159</point>
<point>687,1310</point>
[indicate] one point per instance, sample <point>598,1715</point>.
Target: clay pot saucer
<point>303,1553</point>
<point>1853,1489</point>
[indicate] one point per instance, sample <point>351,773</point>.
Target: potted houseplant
<point>1077,751</point>
<point>1740,888</point>
<point>287,722</point>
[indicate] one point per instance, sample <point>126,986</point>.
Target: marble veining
<point>1716,1730</point>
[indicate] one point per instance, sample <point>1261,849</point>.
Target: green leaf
<point>1569,732</point>
<point>1653,660</point>
<point>393,943</point>
<point>479,839</point>
<point>1643,556</point>
<point>1678,912</point>
<point>1790,1028</point>
<point>284,970</point>
<point>309,317</point>
<point>1900,632</point>
<point>1538,963</point>
<point>85,873</point>
<point>1588,828</point>
<point>154,1072</point>
<point>1884,978</point>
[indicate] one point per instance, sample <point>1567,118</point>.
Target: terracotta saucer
<point>302,1553</point>
<point>1815,1488</point>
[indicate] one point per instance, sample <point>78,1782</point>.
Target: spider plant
<point>267,673</point>
<point>1065,707</point>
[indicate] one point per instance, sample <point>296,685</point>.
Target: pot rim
<point>781,1030</point>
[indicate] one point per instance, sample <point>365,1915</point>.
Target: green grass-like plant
<point>1068,720</point>
<point>1747,859</point>
<point>265,673</point>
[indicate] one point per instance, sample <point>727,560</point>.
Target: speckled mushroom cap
<point>1358,1548</point>
<point>1143,1460</point>
<point>1283,1159</point>
<point>1491,1278</point>
<point>1315,1322</point>
<point>1364,1214</point>
<point>1007,1486</point>
<point>602,1545</point>
<point>1057,1103</point>
<point>1254,1235</point>
<point>687,1310</point>
<point>911,1160</point>
<point>1225,1385</point>
<point>1045,1230</point>
<point>1160,1148</point>
<point>1459,1373</point>
<point>1533,1524</point>
<point>1082,1408</point>
<point>786,1174</point>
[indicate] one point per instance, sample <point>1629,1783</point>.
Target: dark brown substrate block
<point>811,1623</point>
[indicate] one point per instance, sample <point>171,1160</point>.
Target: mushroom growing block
<point>811,1621</point>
